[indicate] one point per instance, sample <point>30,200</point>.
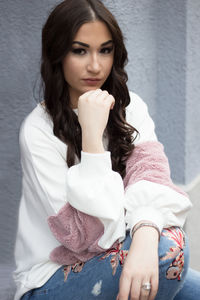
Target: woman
<point>93,172</point>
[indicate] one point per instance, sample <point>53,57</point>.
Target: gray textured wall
<point>163,42</point>
<point>178,86</point>
<point>192,116</point>
<point>21,23</point>
<point>138,21</point>
<point>171,83</point>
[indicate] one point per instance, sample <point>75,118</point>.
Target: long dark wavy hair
<point>57,36</point>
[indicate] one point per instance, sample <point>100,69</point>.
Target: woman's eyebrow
<point>88,46</point>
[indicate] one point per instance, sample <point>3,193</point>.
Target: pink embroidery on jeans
<point>76,268</point>
<point>176,267</point>
<point>122,256</point>
<point>118,256</point>
<point>66,271</point>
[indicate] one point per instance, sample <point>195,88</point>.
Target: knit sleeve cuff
<point>95,164</point>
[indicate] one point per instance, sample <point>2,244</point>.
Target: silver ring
<point>146,286</point>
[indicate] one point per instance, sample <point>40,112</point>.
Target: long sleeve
<point>90,186</point>
<point>149,191</point>
<point>94,188</point>
<point>83,207</point>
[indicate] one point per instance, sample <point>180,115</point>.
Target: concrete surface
<point>193,227</point>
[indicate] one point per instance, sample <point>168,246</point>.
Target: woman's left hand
<point>141,266</point>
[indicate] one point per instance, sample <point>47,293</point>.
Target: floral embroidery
<point>118,256</point>
<point>76,268</point>
<point>176,267</point>
<point>66,271</point>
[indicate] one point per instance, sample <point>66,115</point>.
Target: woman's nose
<point>94,64</point>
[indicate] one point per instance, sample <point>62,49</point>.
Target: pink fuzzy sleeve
<point>78,234</point>
<point>149,162</point>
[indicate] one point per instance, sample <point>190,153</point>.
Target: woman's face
<point>89,62</point>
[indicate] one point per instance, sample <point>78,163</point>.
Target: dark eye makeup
<point>79,51</point>
<point>82,51</point>
<point>107,50</point>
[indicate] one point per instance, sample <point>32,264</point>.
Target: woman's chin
<point>93,88</point>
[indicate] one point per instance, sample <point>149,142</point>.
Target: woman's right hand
<point>141,266</point>
<point>93,113</point>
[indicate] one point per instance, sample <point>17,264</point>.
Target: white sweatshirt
<point>90,186</point>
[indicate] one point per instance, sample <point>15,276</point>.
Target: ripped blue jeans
<point>99,277</point>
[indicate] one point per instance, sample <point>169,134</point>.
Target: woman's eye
<point>79,51</point>
<point>106,50</point>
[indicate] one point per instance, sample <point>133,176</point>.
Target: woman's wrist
<point>92,145</point>
<point>145,223</point>
<point>146,233</point>
<point>146,229</point>
<point>143,239</point>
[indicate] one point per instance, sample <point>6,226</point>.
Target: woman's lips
<point>92,81</point>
